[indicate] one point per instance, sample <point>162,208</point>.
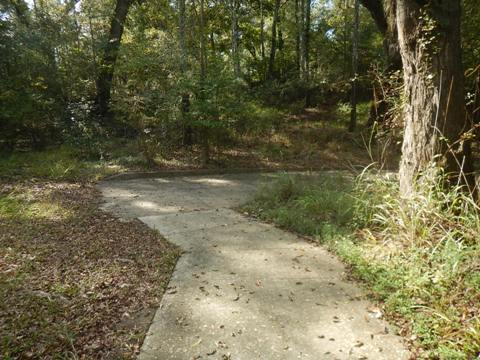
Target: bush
<point>83,132</point>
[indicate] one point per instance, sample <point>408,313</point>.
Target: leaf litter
<point>75,282</point>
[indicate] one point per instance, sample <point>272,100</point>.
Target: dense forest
<point>183,74</point>
<point>171,74</point>
<point>91,88</point>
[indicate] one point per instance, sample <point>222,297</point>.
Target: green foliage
<point>257,118</point>
<point>55,164</point>
<point>44,67</point>
<point>219,100</point>
<point>51,54</point>
<point>83,133</point>
<point>418,256</point>
<point>344,109</point>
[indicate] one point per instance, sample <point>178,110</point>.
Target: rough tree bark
<point>435,118</point>
<point>107,65</point>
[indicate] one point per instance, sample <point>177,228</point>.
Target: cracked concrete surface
<point>243,289</point>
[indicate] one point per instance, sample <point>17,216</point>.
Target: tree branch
<point>375,7</point>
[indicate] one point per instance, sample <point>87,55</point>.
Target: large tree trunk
<point>107,66</point>
<point>435,119</point>
<point>273,46</point>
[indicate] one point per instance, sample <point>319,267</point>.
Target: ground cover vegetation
<point>93,88</point>
<point>419,260</point>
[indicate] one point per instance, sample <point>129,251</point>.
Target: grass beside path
<point>313,138</point>
<point>419,260</point>
<point>75,282</point>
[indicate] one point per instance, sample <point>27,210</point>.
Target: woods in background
<point>183,73</point>
<point>90,67</point>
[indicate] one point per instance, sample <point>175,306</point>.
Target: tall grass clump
<point>419,257</point>
<point>428,248</point>
<point>431,216</point>
<point>312,205</point>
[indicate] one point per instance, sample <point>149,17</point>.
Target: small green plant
<point>343,111</point>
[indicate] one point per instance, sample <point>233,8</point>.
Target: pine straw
<point>75,282</point>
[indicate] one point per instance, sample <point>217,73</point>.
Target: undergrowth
<point>419,258</point>
<point>60,164</point>
<point>67,163</point>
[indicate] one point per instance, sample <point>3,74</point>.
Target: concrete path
<point>246,290</point>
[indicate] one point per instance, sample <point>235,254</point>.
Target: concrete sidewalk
<point>246,290</point>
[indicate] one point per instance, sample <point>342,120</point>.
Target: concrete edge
<point>214,171</point>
